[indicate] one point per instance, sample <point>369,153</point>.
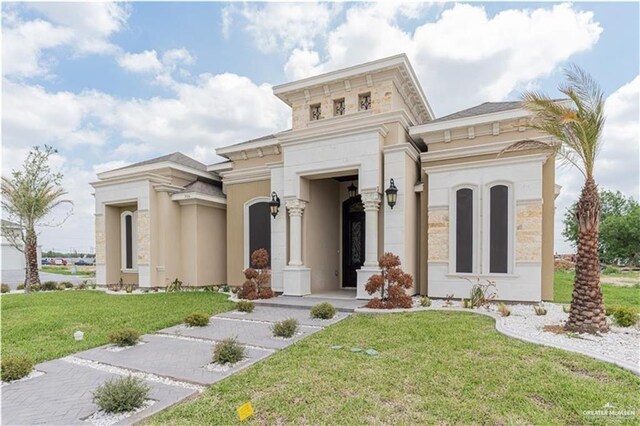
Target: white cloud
<point>279,27</point>
<point>143,62</point>
<point>617,165</point>
<point>84,27</point>
<point>175,57</point>
<point>463,58</point>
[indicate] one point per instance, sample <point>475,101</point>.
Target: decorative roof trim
<point>128,171</point>
<point>225,150</point>
<point>187,198</point>
<point>421,130</point>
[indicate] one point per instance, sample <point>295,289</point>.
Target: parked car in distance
<point>60,262</point>
<point>87,261</point>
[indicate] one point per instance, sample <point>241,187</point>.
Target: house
<point>365,169</point>
<point>13,257</point>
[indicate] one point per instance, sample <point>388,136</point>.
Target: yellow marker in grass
<point>245,411</point>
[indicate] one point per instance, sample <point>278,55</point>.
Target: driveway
<point>13,277</point>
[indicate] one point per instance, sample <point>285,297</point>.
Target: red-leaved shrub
<point>391,284</point>
<point>257,285</point>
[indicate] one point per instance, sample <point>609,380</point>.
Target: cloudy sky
<point>109,84</point>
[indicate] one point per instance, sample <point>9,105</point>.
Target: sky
<point>109,84</point>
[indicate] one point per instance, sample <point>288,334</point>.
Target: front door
<point>353,232</point>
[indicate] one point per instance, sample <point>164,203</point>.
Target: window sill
<point>481,276</point>
<point>129,271</point>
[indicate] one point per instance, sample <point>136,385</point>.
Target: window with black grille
<point>464,230</point>
<point>499,229</point>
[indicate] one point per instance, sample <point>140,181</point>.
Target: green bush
<point>228,351</point>
<point>625,316</point>
<point>286,328</point>
<point>323,311</point>
<point>4,288</point>
<point>121,394</point>
<point>610,270</point>
<point>61,287</point>
<point>20,287</point>
<point>48,286</point>
<point>425,302</point>
<point>197,319</point>
<point>15,367</point>
<point>129,289</point>
<point>36,287</point>
<point>174,287</point>
<point>67,284</point>
<point>82,285</point>
<point>245,306</point>
<point>540,310</point>
<point>124,337</point>
<point>504,310</point>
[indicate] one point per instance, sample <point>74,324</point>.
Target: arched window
<point>499,229</point>
<point>464,230</point>
<point>257,228</point>
<point>128,240</point>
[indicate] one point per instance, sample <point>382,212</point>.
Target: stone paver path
<point>174,362</point>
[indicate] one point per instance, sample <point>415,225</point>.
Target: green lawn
<point>613,295</point>
<point>41,325</point>
<point>64,270</point>
<point>433,368</point>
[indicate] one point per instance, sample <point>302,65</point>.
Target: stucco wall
<point>237,195</point>
<point>548,212</point>
<point>322,234</point>
<point>212,246</point>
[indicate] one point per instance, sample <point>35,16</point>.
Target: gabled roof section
<point>411,85</point>
<point>485,108</point>
<point>176,157</point>
<point>203,187</point>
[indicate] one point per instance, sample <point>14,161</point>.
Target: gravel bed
<point>32,375</point>
<point>102,418</point>
<point>124,372</point>
<point>223,368</point>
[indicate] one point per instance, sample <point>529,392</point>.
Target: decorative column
<point>296,277</point>
<point>371,202</point>
<point>295,208</point>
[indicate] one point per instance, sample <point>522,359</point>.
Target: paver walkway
<point>173,362</point>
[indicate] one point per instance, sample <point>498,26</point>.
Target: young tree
<point>577,124</point>
<point>29,197</point>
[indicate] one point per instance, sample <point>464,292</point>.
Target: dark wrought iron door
<point>353,232</point>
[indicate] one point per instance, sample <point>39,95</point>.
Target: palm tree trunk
<point>587,312</point>
<point>31,256</point>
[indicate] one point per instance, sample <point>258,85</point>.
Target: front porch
<point>344,300</point>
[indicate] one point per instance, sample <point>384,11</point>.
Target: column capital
<point>371,201</point>
<point>295,206</point>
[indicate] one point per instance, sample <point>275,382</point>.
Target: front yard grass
<point>433,368</point>
<point>613,294</point>
<point>41,325</point>
<point>82,271</point>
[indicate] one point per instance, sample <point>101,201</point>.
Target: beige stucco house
<point>463,210</point>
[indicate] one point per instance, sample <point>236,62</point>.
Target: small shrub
<point>121,394</point>
<point>197,319</point>
<point>245,306</point>
<point>609,310</point>
<point>124,337</point>
<point>425,302</point>
<point>225,288</point>
<point>625,316</point>
<point>265,293</point>
<point>248,290</point>
<point>286,328</point>
<point>566,309</point>
<point>482,294</point>
<point>20,287</point>
<point>448,299</point>
<point>4,288</point>
<point>93,286</point>
<point>67,284</point>
<point>390,283</point>
<point>61,287</point>
<point>175,286</point>
<point>15,367</point>
<point>467,304</point>
<point>323,310</point>
<point>540,310</point>
<point>610,270</point>
<point>82,285</point>
<point>228,351</point>
<point>129,289</point>
<point>504,310</point>
<point>48,286</point>
<point>36,287</point>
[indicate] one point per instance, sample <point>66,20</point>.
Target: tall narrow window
<point>499,229</point>
<point>259,228</point>
<point>464,230</point>
<point>128,240</point>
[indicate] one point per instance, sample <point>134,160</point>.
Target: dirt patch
<point>620,281</point>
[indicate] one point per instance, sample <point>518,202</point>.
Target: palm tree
<point>577,123</point>
<point>29,196</point>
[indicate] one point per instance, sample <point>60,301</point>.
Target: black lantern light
<point>392,194</point>
<point>353,190</point>
<point>274,204</point>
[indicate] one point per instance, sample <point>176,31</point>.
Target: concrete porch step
<point>307,302</point>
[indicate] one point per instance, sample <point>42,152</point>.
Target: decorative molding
<point>369,80</point>
<point>163,187</point>
<point>371,201</point>
<point>190,198</point>
<point>307,96</point>
<point>495,128</point>
<point>244,155</point>
<point>409,149</point>
<point>130,178</point>
<point>471,134</point>
<point>474,164</point>
<point>249,174</point>
<point>347,85</point>
<point>295,206</point>
<point>447,136</point>
<point>276,149</point>
<point>327,91</point>
<point>260,153</point>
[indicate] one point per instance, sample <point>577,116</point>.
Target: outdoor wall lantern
<point>274,204</point>
<point>392,194</point>
<point>353,190</point>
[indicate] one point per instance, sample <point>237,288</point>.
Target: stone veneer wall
<point>100,240</point>
<point>529,232</point>
<point>144,237</point>
<point>438,231</point>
